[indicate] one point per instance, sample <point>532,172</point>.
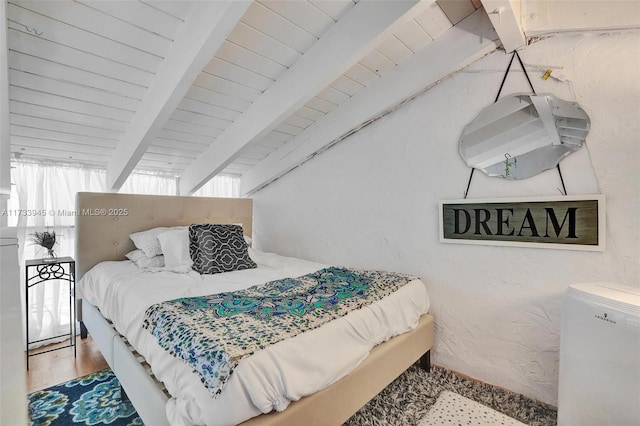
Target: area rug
<point>95,400</point>
<point>408,399</point>
<point>452,409</point>
<point>90,400</point>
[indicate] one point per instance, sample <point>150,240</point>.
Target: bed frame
<point>104,222</point>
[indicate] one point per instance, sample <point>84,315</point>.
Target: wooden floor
<point>55,367</point>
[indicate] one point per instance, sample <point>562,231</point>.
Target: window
<point>43,198</point>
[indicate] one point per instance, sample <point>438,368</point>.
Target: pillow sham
<point>147,241</point>
<point>142,261</point>
<point>218,248</point>
<point>175,248</point>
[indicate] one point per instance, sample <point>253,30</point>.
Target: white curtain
<point>43,198</point>
<point>220,186</point>
<point>149,183</point>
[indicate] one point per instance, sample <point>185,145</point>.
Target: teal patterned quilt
<point>213,333</point>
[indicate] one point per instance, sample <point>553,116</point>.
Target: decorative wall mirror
<point>522,135</point>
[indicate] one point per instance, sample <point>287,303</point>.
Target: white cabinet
<point>13,396</point>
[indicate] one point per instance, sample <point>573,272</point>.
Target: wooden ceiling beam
<point>455,49</point>
<point>505,17</point>
<point>200,37</point>
<point>346,42</point>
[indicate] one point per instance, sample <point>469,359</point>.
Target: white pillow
<point>142,261</point>
<point>175,247</point>
<point>147,241</point>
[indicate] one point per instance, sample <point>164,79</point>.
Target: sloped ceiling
<point>198,88</point>
<point>151,84</point>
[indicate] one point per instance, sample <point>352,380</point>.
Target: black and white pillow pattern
<point>218,248</point>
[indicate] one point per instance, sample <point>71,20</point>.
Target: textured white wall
<point>372,201</point>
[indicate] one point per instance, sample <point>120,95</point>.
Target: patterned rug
<point>407,400</point>
<point>90,400</point>
<point>95,399</point>
<point>452,409</point>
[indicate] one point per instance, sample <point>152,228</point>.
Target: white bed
<point>117,293</point>
<point>269,379</point>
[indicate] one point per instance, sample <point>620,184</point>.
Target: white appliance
<point>13,399</point>
<point>600,356</point>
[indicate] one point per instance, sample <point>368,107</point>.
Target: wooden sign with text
<point>570,222</point>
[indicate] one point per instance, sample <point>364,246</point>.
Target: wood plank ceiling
<point>79,71</point>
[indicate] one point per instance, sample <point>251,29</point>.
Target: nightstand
<point>39,272</point>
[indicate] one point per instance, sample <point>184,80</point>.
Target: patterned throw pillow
<point>218,248</point>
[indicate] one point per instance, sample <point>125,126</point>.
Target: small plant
<point>508,164</point>
<point>46,240</point>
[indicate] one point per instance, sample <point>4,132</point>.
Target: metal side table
<point>41,271</point>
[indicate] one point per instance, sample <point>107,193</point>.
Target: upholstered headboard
<point>104,221</point>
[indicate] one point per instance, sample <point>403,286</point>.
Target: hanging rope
<point>469,184</point>
<point>524,71</point>
<point>561,179</point>
<point>506,73</point>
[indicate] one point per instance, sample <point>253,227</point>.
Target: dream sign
<point>570,222</point>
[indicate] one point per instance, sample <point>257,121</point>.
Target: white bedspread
<point>269,379</point>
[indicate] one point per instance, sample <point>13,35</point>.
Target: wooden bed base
<point>106,237</point>
<point>334,405</point>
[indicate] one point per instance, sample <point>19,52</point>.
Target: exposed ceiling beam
<point>5,142</point>
<point>457,10</point>
<point>579,16</point>
<point>346,42</point>
<point>505,17</point>
<point>455,49</point>
<point>201,36</point>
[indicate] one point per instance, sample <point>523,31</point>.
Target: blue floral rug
<point>90,400</point>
